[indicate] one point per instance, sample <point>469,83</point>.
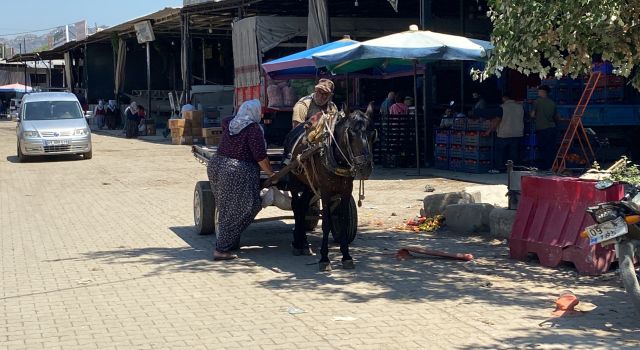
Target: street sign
<point>144,32</point>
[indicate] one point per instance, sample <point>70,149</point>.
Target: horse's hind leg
<point>325,263</point>
<point>300,206</point>
<point>347,261</point>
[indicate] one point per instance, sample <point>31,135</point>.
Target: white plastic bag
<point>267,196</point>
<point>281,199</point>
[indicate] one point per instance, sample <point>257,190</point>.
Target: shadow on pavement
<point>46,159</point>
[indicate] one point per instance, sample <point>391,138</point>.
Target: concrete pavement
<point>100,254</point>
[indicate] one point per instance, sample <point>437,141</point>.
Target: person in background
<point>545,115</point>
<point>510,128</point>
<point>187,107</point>
<point>316,103</point>
<point>387,103</point>
<point>234,173</point>
<point>132,120</point>
<point>100,113</point>
<point>399,108</point>
<point>479,102</point>
<point>447,119</point>
<point>142,130</point>
<point>112,115</point>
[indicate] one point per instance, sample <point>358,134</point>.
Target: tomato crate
<point>442,150</point>
<point>457,137</point>
<point>443,136</point>
<point>478,124</point>
<point>456,164</point>
<point>473,138</point>
<point>476,166</point>
<point>477,153</point>
<point>459,124</point>
<point>456,151</point>
<point>442,163</point>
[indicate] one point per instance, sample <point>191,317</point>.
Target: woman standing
<point>234,173</point>
<point>133,119</point>
<point>99,113</point>
<point>112,115</point>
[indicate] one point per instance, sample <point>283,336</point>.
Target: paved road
<point>100,254</point>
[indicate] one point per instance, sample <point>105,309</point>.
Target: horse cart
<point>344,221</point>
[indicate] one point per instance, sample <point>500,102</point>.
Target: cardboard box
<point>179,123</point>
<point>179,132</point>
<point>186,140</point>
<point>211,132</point>
<point>176,140</point>
<point>196,132</point>
<point>212,141</point>
<point>176,133</point>
<point>196,118</point>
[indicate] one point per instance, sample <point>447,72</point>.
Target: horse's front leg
<point>300,206</point>
<point>343,207</point>
<point>325,263</point>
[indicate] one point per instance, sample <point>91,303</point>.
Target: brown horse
<point>345,156</point>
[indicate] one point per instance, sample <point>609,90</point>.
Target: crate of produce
<point>443,136</point>
<point>474,138</point>
<point>532,93</point>
<point>478,124</point>
<point>442,163</point>
<point>457,137</point>
<point>610,80</point>
<point>442,150</point>
<point>459,123</point>
<point>456,151</point>
<point>456,164</point>
<point>476,166</point>
<point>477,153</point>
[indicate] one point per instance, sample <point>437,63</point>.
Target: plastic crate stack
<point>396,141</point>
<point>463,148</point>
<point>566,91</point>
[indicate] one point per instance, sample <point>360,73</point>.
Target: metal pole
<point>204,65</point>
<point>149,79</point>
<point>415,99</point>
<point>462,73</point>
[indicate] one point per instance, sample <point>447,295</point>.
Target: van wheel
<point>21,157</point>
<point>88,155</point>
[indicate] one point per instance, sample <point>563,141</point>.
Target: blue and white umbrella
<point>401,49</point>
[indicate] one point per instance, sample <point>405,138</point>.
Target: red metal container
<point>551,214</point>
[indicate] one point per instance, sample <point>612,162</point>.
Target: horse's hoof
<point>348,264</point>
<point>324,266</point>
<point>302,252</point>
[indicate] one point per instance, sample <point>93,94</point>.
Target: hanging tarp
<point>15,88</point>
<point>246,59</point>
<point>319,32</point>
<point>394,4</point>
<point>121,62</point>
<point>68,75</point>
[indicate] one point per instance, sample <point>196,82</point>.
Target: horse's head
<point>355,139</point>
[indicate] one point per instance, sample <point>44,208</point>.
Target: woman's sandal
<point>219,256</point>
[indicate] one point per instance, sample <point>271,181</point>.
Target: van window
<point>51,110</point>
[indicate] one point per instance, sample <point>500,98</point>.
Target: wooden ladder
<point>576,129</point>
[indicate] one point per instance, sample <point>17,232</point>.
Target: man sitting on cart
<point>318,101</point>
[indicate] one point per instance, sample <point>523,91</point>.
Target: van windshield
<point>52,110</point>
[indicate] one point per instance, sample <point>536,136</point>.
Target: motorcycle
<point>618,224</point>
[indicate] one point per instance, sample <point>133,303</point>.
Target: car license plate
<point>56,142</point>
<point>607,231</point>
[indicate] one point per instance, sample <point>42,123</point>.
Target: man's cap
<point>325,85</point>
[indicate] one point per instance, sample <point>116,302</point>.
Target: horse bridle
<point>352,160</point>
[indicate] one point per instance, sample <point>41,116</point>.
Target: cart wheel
<point>313,216</point>
<point>345,221</point>
<point>204,208</point>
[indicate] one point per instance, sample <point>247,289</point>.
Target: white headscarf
<point>133,107</point>
<point>248,113</point>
<point>112,105</point>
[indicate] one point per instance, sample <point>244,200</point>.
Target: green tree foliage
<point>560,37</point>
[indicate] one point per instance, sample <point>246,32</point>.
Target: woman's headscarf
<point>133,107</point>
<point>112,105</point>
<point>100,105</point>
<point>248,113</point>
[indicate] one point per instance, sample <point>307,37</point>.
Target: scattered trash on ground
<point>294,310</point>
<point>568,304</point>
<point>404,253</point>
<point>423,224</point>
<point>429,188</point>
<point>344,318</point>
<point>84,281</point>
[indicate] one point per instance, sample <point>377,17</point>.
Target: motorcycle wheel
<point>626,252</point>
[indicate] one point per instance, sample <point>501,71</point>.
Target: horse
<point>344,155</point>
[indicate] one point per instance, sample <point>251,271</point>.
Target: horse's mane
<point>358,120</point>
